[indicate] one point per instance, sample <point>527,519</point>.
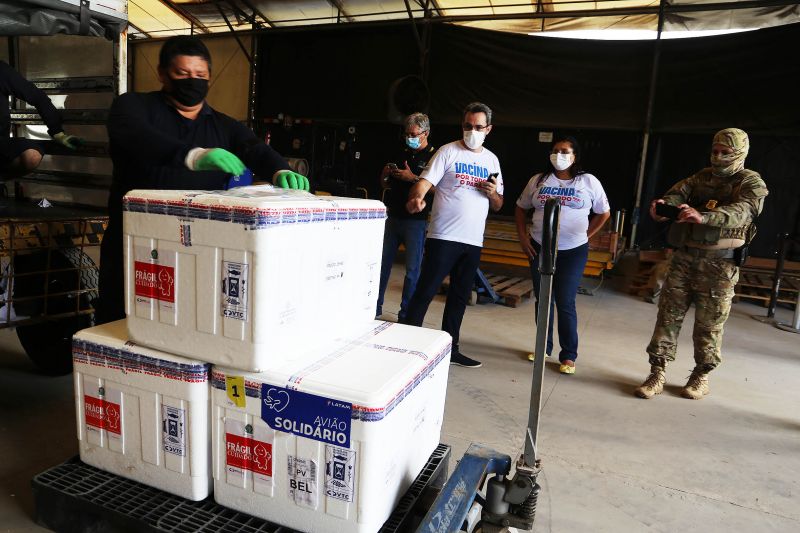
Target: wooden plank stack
<point>757,276</point>
<point>500,245</point>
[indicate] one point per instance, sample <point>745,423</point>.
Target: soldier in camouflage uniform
<point>718,206</point>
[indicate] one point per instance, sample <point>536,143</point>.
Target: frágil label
<point>102,411</point>
<point>154,281</point>
<point>306,415</point>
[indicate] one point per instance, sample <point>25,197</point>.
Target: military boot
<point>654,384</point>
<point>697,386</point>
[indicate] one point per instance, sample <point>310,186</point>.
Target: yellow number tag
<point>234,386</point>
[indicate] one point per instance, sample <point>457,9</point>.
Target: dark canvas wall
<point>745,79</point>
<point>597,90</point>
<point>540,81</point>
<point>333,74</point>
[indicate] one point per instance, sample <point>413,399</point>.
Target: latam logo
<point>248,454</point>
<point>102,414</point>
<point>154,281</point>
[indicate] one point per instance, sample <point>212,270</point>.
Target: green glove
<point>70,141</point>
<point>220,159</point>
<point>291,180</point>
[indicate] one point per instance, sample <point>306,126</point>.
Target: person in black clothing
<point>18,156</point>
<point>403,227</point>
<point>172,139</point>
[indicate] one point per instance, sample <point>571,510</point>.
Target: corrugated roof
<point>162,18</point>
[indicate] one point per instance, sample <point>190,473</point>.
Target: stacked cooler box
<point>319,417</point>
<point>141,413</point>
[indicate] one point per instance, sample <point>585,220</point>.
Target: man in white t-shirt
<point>468,182</point>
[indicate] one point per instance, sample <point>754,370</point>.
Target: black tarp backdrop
<point>595,89</point>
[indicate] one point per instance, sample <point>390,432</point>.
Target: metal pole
<point>121,64</point>
<point>648,123</point>
<point>252,95</point>
<point>547,267</point>
<point>776,282</point>
<point>794,327</point>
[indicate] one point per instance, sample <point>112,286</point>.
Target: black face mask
<point>188,91</point>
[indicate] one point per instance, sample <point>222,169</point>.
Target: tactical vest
<point>709,192</point>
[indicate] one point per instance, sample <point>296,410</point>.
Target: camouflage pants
<point>708,284</point>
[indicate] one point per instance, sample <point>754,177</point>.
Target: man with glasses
<point>468,182</point>
<point>402,227</point>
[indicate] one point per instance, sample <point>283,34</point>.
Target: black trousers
<point>111,304</point>
<point>12,147</point>
<point>442,257</point>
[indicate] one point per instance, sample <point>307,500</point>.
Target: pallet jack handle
<point>509,502</point>
<point>547,268</point>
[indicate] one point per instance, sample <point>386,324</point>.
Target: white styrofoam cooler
<point>142,414</point>
<point>331,443</point>
<point>242,277</point>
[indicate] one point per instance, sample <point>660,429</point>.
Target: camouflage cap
<point>729,164</point>
<point>735,139</point>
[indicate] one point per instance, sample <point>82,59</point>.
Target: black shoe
<point>462,360</point>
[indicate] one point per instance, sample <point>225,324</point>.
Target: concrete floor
<point>612,462</point>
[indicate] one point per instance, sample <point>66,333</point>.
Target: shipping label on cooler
<point>302,484</point>
<point>306,415</point>
<point>102,410</point>
<point>154,281</point>
<point>173,430</point>
<point>340,472</point>
<point>248,451</point>
<point>235,283</point>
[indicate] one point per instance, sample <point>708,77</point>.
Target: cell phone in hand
<point>492,177</point>
<point>667,211</point>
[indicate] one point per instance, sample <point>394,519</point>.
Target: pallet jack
<point>509,502</point>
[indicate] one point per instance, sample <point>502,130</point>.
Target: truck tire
<point>49,343</point>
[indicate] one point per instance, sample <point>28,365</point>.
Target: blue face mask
<point>413,142</point>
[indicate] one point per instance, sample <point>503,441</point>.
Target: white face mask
<point>474,139</point>
<point>562,161</point>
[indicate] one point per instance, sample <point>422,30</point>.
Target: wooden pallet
<point>512,290</point>
<point>501,246</point>
<point>756,284</point>
<point>644,281</point>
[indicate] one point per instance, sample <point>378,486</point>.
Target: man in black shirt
<point>18,156</point>
<point>172,139</point>
<point>402,227</point>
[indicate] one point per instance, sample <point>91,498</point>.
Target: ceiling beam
<point>342,13</point>
<point>188,17</point>
<point>622,11</point>
<point>258,12</point>
<point>429,6</point>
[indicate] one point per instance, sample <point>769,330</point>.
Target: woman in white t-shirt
<point>580,194</point>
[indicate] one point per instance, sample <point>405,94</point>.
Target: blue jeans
<point>567,277</point>
<point>411,233</point>
<point>442,257</point>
